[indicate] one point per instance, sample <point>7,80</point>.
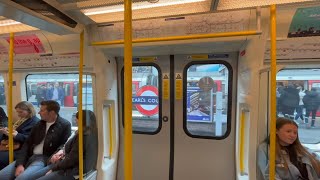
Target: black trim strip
<point>172,98</point>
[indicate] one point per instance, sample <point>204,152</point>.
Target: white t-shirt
<point>301,95</point>
<point>38,149</point>
<point>55,94</point>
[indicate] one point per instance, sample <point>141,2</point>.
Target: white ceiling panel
<point>241,4</point>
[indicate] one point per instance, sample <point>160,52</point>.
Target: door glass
<point>145,99</point>
<point>206,101</point>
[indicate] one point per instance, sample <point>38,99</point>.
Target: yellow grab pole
<point>10,98</point>
<point>176,38</point>
<point>273,35</point>
<point>242,124</point>
<point>128,90</point>
<point>80,117</point>
<point>110,131</point>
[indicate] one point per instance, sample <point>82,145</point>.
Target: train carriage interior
<point>202,78</point>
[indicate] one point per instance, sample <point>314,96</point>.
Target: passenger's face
<point>22,113</point>
<point>287,134</point>
<point>44,113</point>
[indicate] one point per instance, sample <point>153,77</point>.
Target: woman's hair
<point>88,120</point>
<point>296,146</point>
<point>3,115</point>
<point>3,118</point>
<point>27,106</point>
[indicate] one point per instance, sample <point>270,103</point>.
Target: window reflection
<point>207,99</point>
<point>41,87</point>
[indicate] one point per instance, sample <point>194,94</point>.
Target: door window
<point>146,106</point>
<point>207,100</point>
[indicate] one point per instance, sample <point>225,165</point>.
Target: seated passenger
<point>65,162</point>
<point>21,130</point>
<point>45,138</point>
<point>293,161</point>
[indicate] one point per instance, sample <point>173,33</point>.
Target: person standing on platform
<point>312,102</point>
<point>300,108</point>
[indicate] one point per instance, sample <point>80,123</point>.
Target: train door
<point>204,117</point>
<point>191,135</point>
<point>151,129</point>
<point>68,94</point>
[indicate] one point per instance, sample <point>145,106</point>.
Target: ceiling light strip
<point>8,22</point>
<point>136,6</point>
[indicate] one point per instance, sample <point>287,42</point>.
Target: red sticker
<point>27,44</point>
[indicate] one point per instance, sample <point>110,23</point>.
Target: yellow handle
<point>241,151</point>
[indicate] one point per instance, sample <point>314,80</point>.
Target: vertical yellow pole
<point>273,100</point>
<point>80,128</point>
<point>10,98</point>
<point>127,90</point>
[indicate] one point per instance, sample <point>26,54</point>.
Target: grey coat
<point>281,172</point>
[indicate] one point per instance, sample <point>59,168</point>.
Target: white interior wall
<point>18,91</point>
<point>104,68</point>
<point>249,66</point>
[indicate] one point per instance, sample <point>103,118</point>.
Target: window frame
<point>229,100</point>
<point>159,97</point>
<point>75,87</point>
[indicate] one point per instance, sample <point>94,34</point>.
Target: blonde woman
<point>293,161</point>
<point>21,130</point>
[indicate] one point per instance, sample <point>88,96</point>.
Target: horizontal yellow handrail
<point>175,38</point>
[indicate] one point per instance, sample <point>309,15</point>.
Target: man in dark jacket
<point>45,138</point>
<point>289,100</point>
<point>311,102</point>
<point>56,94</point>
